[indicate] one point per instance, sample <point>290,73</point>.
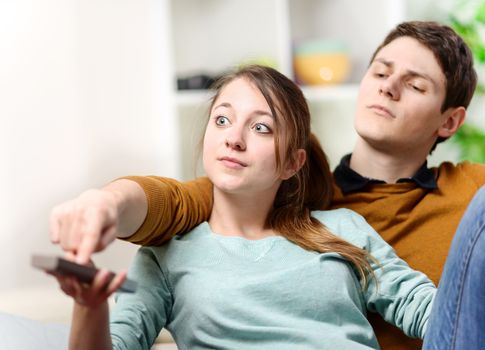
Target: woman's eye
<point>262,128</point>
<point>221,120</point>
<point>380,75</point>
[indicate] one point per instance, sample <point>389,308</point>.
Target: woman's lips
<point>233,162</point>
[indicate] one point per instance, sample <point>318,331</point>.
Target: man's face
<point>400,98</point>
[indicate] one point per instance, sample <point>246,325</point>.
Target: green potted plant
<point>468,19</point>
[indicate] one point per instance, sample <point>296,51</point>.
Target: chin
<point>367,128</point>
<point>228,185</point>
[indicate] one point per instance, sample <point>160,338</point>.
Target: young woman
<point>268,270</point>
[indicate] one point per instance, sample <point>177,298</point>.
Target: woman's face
<point>239,145</point>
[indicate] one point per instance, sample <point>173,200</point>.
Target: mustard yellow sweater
<point>419,223</point>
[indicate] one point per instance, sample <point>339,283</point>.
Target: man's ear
<point>455,118</point>
<point>294,166</point>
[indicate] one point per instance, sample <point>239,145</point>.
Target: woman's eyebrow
<point>223,104</point>
<point>257,112</point>
<point>261,113</point>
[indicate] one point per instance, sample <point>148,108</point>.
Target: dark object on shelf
<point>195,82</point>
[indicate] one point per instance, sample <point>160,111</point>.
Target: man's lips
<point>232,162</point>
<point>381,110</point>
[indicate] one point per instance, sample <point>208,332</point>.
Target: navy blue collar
<point>350,181</point>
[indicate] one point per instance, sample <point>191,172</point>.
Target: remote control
<point>83,273</point>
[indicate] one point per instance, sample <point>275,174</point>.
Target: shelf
<point>313,94</point>
<point>210,37</point>
<point>330,93</point>
<point>192,97</point>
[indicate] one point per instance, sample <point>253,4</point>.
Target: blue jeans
<point>457,319</point>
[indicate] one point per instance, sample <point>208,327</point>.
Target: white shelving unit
<point>212,36</point>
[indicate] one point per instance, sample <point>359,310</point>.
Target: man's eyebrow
<point>384,62</point>
<point>410,72</point>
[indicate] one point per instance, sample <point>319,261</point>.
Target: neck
<point>239,215</point>
<point>385,165</point>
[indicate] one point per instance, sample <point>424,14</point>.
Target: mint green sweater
<point>221,292</point>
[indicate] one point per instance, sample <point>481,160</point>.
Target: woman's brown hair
<point>311,188</point>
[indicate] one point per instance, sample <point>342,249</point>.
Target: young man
<point>414,94</point>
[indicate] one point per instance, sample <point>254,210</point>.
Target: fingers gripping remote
<point>83,273</point>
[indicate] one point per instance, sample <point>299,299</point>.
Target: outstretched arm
<point>144,210</point>
<point>90,318</point>
<point>90,328</point>
<point>91,221</point>
<point>173,207</point>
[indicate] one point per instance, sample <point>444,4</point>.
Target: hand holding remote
<point>87,285</point>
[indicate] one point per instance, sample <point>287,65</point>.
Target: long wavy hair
<point>311,187</point>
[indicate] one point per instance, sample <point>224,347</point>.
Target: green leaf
<point>480,15</point>
<point>480,89</point>
<point>470,140</point>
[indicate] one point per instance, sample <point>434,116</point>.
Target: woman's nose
<point>235,140</point>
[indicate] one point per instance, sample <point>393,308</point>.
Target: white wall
<point>83,100</point>
<point>84,87</point>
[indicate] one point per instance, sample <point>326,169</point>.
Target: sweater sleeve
<point>401,295</point>
<point>173,207</point>
<point>138,318</point>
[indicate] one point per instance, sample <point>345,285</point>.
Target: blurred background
<point>91,90</point>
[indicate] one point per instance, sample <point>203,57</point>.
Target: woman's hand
<point>91,296</point>
<point>90,316</point>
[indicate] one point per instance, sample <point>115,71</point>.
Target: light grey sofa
<point>38,317</point>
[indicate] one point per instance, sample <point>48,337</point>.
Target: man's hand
<point>86,224</point>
